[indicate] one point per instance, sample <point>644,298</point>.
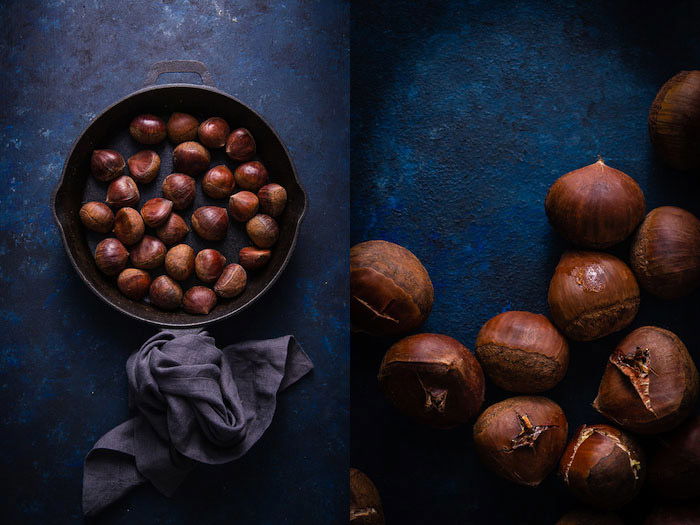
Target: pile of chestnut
<point>650,385</point>
<point>153,237</point>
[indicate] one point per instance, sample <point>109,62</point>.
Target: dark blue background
<point>463,114</point>
<point>63,351</point>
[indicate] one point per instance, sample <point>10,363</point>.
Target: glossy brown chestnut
<point>263,231</point>
<point>650,383</point>
<point>273,199</point>
<point>592,294</point>
<point>123,192</point>
<point>231,282</point>
<point>97,216</point>
<point>134,283</point>
<point>210,222</point>
<point>179,262</point>
<point>182,127</point>
<point>179,188</point>
<point>213,132</point>
<point>165,293</point>
<point>522,352</point>
<point>603,467</point>
<point>144,166</point>
<point>149,253</point>
<point>111,256</point>
<point>128,226</point>
<point>252,258</point>
<point>521,438</point>
<point>365,503</point>
<point>106,164</point>
<point>147,129</point>
<point>590,517</point>
<point>390,290</point>
<point>218,182</point>
<point>243,206</point>
<point>199,300</point>
<point>155,212</point>
<point>434,379</point>
<point>191,158</point>
<point>665,253</point>
<point>240,145</point>
<point>174,230</point>
<point>208,265</point>
<point>251,176</point>
<point>595,206</point>
<point>676,514</point>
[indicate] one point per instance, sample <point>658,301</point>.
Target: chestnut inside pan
<point>110,130</point>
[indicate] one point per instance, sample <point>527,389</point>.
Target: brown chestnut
<point>592,294</point>
<point>522,352</point>
<point>181,189</point>
<point>155,212</point>
<point>191,158</point>
<point>134,283</point>
<point>240,145</point>
<point>199,300</point>
<point>390,290</point>
<point>208,265</point>
<point>595,206</point>
<point>650,383</point>
<point>521,438</point>
<point>149,253</point>
<point>231,282</point>
<point>111,256</point>
<point>365,503</point>
<point>106,164</point>
<point>251,176</point>
<point>603,467</point>
<point>213,132</point>
<point>144,166</point>
<point>179,262</point>
<point>122,192</point>
<point>434,379</point>
<point>147,129</point>
<point>252,258</point>
<point>128,226</point>
<point>273,199</point>
<point>165,293</point>
<point>174,230</point>
<point>665,253</point>
<point>590,517</point>
<point>182,128</point>
<point>96,216</point>
<point>210,222</point>
<point>218,182</point>
<point>263,231</point>
<point>243,206</point>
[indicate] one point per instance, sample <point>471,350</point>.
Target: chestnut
<point>155,212</point>
<point>595,206</point>
<point>134,283</point>
<point>434,379</point>
<point>96,216</point>
<point>144,166</point>
<point>273,199</point>
<point>390,290</point>
<point>106,164</point>
<point>122,192</point>
<point>240,145</point>
<point>179,262</point>
<point>665,253</point>
<point>210,222</point>
<point>182,127</point>
<point>252,258</point>
<point>111,256</point>
<point>209,264</point>
<point>522,352</point>
<point>603,467</point>
<point>213,132</point>
<point>263,231</point>
<point>243,206</point>
<point>521,438</point>
<point>191,158</point>
<point>128,226</point>
<point>199,300</point>
<point>365,503</point>
<point>218,182</point>
<point>231,282</point>
<point>165,293</point>
<point>251,176</point>
<point>590,517</point>
<point>174,230</point>
<point>149,253</point>
<point>650,383</point>
<point>179,188</point>
<point>674,121</point>
<point>591,295</point>
<point>147,129</point>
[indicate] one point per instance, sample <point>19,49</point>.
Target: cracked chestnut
<point>122,192</point>
<point>213,132</point>
<point>174,230</point>
<point>111,256</point>
<point>144,166</point>
<point>231,282</point>
<point>147,129</point>
<point>208,265</point>
<point>155,212</point>
<point>251,176</point>
<point>182,127</point>
<point>106,164</point>
<point>210,222</point>
<point>149,253</point>
<point>97,216</point>
<point>263,231</point>
<point>252,258</point>
<point>273,199</point>
<point>365,503</point>
<point>191,158</point>
<point>240,145</point>
<point>179,262</point>
<point>243,206</point>
<point>128,226</point>
<point>218,182</point>
<point>165,293</point>
<point>181,189</point>
<point>134,283</point>
<point>199,300</point>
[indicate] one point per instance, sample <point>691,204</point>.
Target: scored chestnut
<point>179,262</point>
<point>209,264</point>
<point>365,503</point>
<point>106,164</point>
<point>182,127</point>
<point>251,176</point>
<point>149,253</point>
<point>199,300</point>
<point>210,222</point>
<point>134,283</point>
<point>147,129</point>
<point>144,166</point>
<point>218,182</point>
<point>243,206</point>
<point>128,226</point>
<point>96,216</point>
<point>111,256</point>
<point>179,188</point>
<point>240,145</point>
<point>165,293</point>
<point>213,132</point>
<point>191,158</point>
<point>263,231</point>
<point>155,212</point>
<point>231,282</point>
<point>174,230</point>
<point>122,192</point>
<point>252,258</point>
<point>273,199</point>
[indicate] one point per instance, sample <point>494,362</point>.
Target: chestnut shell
<point>128,226</point>
<point>144,166</point>
<point>273,199</point>
<point>240,145</point>
<point>191,158</point>
<point>252,258</point>
<point>213,132</point>
<point>174,230</point>
<point>106,164</point>
<point>231,282</point>
<point>111,256</point>
<point>243,206</point>
<point>147,129</point>
<point>179,262</point>
<point>209,264</point>
<point>181,189</point>
<point>134,283</point>
<point>182,127</point>
<point>210,222</point>
<point>251,176</point>
<point>97,216</point>
<point>365,502</point>
<point>218,182</point>
<point>199,300</point>
<point>122,192</point>
<point>155,212</point>
<point>165,293</point>
<point>149,253</point>
<point>263,231</point>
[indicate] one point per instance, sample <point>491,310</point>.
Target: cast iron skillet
<point>110,130</point>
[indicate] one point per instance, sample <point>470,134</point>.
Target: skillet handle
<point>179,66</point>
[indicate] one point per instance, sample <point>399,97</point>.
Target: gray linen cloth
<point>193,403</point>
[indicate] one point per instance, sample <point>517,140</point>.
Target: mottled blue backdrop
<point>62,381</point>
<point>463,114</point>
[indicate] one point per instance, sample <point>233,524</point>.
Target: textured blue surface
<point>463,114</point>
<point>63,351</point>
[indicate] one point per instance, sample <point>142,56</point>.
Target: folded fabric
<point>193,403</point>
